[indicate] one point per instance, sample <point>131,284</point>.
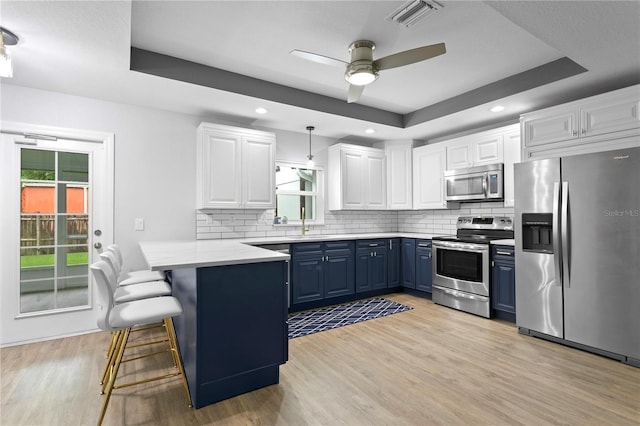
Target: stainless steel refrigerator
<point>578,251</point>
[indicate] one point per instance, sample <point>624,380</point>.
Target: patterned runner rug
<point>309,322</point>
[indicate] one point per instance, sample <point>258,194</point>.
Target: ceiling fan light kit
<point>361,70</point>
<point>7,38</point>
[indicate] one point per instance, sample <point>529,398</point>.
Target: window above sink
<point>299,187</point>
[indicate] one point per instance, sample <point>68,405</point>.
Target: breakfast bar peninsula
<point>233,331</point>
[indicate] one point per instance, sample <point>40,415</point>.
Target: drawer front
<point>504,253</point>
<point>305,247</point>
<point>423,244</point>
<point>335,245</point>
<point>371,243</point>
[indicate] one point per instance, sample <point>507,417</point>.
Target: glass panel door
<point>54,224</point>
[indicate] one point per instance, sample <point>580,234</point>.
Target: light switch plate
<point>139,224</point>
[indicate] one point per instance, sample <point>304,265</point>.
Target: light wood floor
<point>430,365</point>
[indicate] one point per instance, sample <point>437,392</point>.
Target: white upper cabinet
<point>399,176</point>
<point>587,125</point>
<point>429,163</point>
<point>357,178</point>
<point>511,139</point>
<point>474,150</point>
<point>235,168</point>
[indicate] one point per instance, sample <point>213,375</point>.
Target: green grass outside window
<point>31,261</point>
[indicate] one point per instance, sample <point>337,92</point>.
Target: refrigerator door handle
<point>555,235</point>
<point>564,234</point>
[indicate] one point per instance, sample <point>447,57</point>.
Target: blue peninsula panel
<point>233,332</point>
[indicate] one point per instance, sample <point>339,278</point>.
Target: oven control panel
<point>485,222</point>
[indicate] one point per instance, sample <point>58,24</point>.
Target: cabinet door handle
<point>390,247</point>
<point>584,131</point>
<point>504,253</point>
<point>574,133</point>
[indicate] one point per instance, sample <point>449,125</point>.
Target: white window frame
<point>319,193</point>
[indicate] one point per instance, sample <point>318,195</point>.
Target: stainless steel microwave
<point>482,183</point>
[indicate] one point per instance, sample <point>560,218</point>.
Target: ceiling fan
<point>363,70</point>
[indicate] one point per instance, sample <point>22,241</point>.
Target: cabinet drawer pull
<point>373,245</point>
<point>504,253</point>
<point>423,245</point>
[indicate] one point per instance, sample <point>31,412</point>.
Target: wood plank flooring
<point>428,366</point>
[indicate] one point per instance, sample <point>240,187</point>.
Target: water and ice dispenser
<point>537,231</point>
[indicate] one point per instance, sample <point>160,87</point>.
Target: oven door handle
<point>476,248</point>
<point>460,294</point>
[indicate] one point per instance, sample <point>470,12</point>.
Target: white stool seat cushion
<point>136,277</point>
<point>141,291</point>
<point>145,311</point>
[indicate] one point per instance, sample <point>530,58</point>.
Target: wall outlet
<point>139,224</point>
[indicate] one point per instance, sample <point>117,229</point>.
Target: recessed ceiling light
<point>261,110</point>
<point>496,108</point>
<point>369,131</point>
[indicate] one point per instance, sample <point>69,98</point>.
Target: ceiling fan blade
<point>354,93</point>
<point>410,56</point>
<point>318,58</point>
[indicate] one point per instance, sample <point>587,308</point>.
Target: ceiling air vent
<point>413,12</point>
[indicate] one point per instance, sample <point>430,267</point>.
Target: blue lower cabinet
<point>321,270</point>
<point>307,273</point>
<point>408,262</point>
<point>503,282</point>
<point>371,265</point>
<point>338,271</point>
<point>393,262</point>
<point>424,265</point>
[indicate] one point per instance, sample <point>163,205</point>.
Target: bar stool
<point>112,260</point>
<point>129,293</point>
<point>133,277</point>
<point>121,318</point>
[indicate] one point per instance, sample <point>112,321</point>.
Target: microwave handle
<point>485,184</point>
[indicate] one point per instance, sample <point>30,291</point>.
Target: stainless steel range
<point>461,263</point>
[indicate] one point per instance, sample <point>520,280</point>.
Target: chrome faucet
<point>304,228</point>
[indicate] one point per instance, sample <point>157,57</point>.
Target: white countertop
<point>167,255</point>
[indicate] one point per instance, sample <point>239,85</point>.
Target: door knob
<point>97,245</point>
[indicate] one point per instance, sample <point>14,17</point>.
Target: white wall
<point>155,173</point>
<point>154,158</point>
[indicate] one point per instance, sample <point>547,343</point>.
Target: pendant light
<point>310,163</point>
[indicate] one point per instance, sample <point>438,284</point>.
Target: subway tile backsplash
<point>217,224</point>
